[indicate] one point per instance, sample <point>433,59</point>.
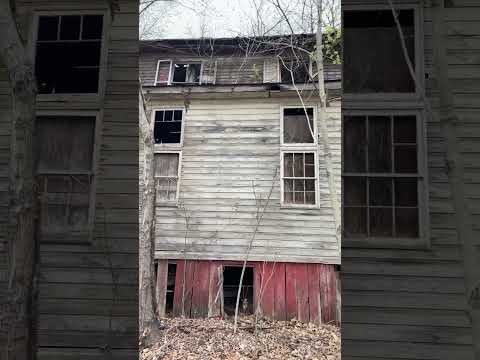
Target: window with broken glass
<point>186,73</point>
<point>381,176</point>
<point>64,174</point>
<point>168,126</point>
<point>68,53</point>
<point>294,70</point>
<point>299,174</point>
<point>167,173</point>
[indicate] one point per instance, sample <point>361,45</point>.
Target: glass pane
<point>92,27</point>
<point>310,197</point>
<point>309,159</point>
<point>379,144</point>
<point>406,222</point>
<point>193,73</point>
<point>167,132</point>
<point>354,143</point>
<point>298,169</point>
<point>355,221</point>
<point>168,115</point>
<point>288,165</point>
<point>54,218</point>
<point>299,185</point>
<point>70,27</point>
<point>405,159</point>
<point>166,165</point>
<point>373,55</point>
<point>47,27</point>
<point>381,222</point>
<point>78,218</point>
<point>57,147</point>
<point>288,185</point>
<point>288,197</point>
<point>296,127</point>
<point>380,191</point>
<point>405,129</point>
<point>299,198</point>
<point>159,115</point>
<point>177,115</point>
<point>310,185</point>
<point>406,193</point>
<point>354,191</point>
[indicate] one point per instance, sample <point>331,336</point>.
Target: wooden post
<point>161,288</point>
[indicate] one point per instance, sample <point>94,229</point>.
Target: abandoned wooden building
<point>86,174</point>
<point>408,263</point>
<point>241,175</point>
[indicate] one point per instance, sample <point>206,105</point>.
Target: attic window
<point>68,53</point>
<point>374,61</point>
<point>168,126</point>
<point>186,73</point>
<point>64,173</point>
<point>298,69</point>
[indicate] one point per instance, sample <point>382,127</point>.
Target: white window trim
<point>102,75</point>
<point>423,241</point>
<point>179,178</point>
<point>156,82</point>
<point>173,147</point>
<point>95,160</point>
<point>419,50</point>
<point>283,204</point>
<point>315,129</point>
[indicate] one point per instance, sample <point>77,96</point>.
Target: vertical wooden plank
<point>177,296</point>
<point>265,292</point>
<point>314,293</point>
<point>333,293</point>
<point>280,304</point>
<point>257,280</point>
<point>215,289</point>
<point>290,291</point>
<point>200,289</point>
<point>161,286</point>
<point>189,284</point>
<point>302,292</point>
<point>328,293</point>
<point>323,285</point>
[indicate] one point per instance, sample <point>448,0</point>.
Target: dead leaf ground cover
<point>198,339</point>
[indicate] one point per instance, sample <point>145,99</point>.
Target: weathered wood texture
<point>301,284</point>
<point>411,304</point>
<point>231,148</point>
<point>88,292</point>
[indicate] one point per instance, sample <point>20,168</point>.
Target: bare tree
<point>21,235</point>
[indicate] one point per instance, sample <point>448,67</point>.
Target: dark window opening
<point>172,273</point>
<point>186,73</point>
<point>168,126</point>
<point>373,57</point>
<point>380,182</point>
<point>298,126</point>
<point>68,63</point>
<point>298,69</point>
<point>231,280</point>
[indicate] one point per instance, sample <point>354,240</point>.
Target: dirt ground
<point>191,339</point>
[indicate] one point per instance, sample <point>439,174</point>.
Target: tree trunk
<point>323,126</point>
<point>147,212</point>
<point>455,170</point>
<point>21,240</point>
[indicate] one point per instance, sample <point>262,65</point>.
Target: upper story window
<point>168,126</point>
<point>293,70</point>
<point>374,60</point>
<point>298,126</point>
<point>167,175</point>
<point>193,72</point>
<point>68,53</point>
<point>186,73</point>
<point>64,168</point>
<point>382,176</point>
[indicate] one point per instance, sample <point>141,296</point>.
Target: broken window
<point>298,126</point>
<point>299,69</point>
<point>231,281</point>
<point>374,61</point>
<point>166,177</point>
<point>162,76</point>
<point>299,178</point>
<point>68,52</point>
<point>381,176</point>
<point>186,73</point>
<point>168,126</point>
<point>64,153</point>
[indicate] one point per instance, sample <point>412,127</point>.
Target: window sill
<point>299,207</point>
<point>422,243</point>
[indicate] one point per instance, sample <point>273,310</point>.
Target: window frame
<point>173,203</point>
<point>156,82</point>
<point>102,72</point>
<point>313,144</point>
<point>422,242</point>
<point>419,50</point>
<point>81,238</point>
<point>283,204</point>
<point>279,70</point>
<point>172,146</point>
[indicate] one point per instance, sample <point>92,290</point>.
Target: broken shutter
<point>270,70</point>
<point>209,72</point>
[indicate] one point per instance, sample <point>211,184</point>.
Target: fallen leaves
<point>198,339</point>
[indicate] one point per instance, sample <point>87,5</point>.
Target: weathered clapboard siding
<point>411,304</point>
<point>229,146</point>
<point>88,293</point>
<point>238,70</point>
